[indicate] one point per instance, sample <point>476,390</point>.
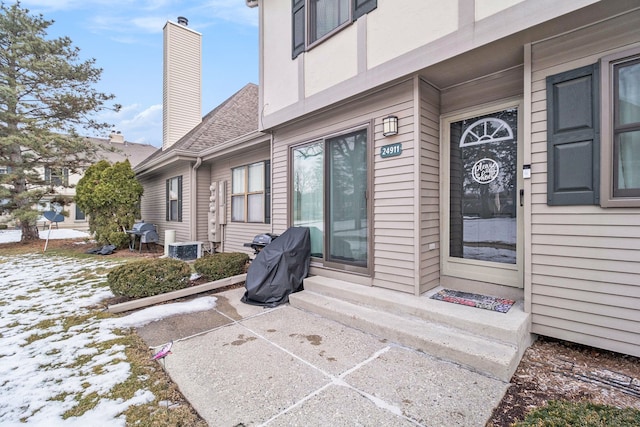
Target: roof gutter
<point>232,145</point>
<point>164,159</point>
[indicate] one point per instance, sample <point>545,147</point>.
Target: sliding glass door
<point>330,179</point>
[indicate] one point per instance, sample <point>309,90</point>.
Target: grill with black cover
<point>279,269</point>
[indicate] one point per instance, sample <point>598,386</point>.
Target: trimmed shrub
<point>221,265</point>
<point>149,277</point>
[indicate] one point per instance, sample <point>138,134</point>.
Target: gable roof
<point>119,151</point>
<point>236,116</point>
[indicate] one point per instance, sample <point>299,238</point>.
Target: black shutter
<point>297,28</point>
<point>573,137</point>
<point>167,201</point>
<point>362,7</point>
<point>180,198</point>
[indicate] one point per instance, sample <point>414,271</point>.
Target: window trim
<point>266,193</point>
<point>168,216</point>
<point>607,105</point>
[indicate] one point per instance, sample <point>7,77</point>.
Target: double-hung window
<point>251,193</point>
<point>315,20</point>
<point>621,129</point>
<point>173,197</point>
<point>56,176</point>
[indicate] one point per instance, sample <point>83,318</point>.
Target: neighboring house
<point>113,149</point>
<point>514,168</point>
<point>212,185</point>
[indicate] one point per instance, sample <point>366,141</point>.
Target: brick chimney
<point>182,81</point>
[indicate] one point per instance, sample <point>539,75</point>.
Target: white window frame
<point>245,194</point>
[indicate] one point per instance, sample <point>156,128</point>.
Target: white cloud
<point>149,24</point>
<point>137,123</point>
<point>144,126</point>
<point>232,11</point>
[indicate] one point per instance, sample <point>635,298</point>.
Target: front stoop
<point>485,341</point>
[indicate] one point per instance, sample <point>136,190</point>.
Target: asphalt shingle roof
<point>236,116</point>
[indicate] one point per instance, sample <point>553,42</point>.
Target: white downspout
<point>193,200</point>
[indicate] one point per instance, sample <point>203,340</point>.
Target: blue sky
<point>125,38</point>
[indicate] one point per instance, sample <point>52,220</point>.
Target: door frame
<point>483,271</point>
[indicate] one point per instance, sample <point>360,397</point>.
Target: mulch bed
<point>557,370</point>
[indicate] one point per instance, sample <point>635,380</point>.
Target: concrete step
<point>482,340</point>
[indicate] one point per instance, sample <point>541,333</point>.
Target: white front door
<point>481,206</point>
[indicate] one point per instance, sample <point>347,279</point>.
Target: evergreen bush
<point>149,277</point>
<point>221,265</point>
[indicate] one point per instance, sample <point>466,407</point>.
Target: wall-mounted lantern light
<point>390,126</point>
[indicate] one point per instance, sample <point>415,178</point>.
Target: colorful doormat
<point>474,300</point>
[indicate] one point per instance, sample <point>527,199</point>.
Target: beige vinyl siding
<point>497,86</point>
<point>394,207</point>
<point>429,187</point>
<point>153,203</point>
<point>236,234</point>
<point>182,82</point>
<point>585,259</point>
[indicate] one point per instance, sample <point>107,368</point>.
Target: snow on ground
<point>8,236</point>
<point>54,348</point>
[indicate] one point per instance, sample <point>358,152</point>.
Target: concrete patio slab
<point>431,391</point>
<point>285,366</point>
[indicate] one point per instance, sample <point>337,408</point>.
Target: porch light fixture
<point>390,126</point>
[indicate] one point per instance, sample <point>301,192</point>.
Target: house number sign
<point>391,150</point>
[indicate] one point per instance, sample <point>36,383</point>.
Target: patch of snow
<point>9,236</point>
<point>45,363</point>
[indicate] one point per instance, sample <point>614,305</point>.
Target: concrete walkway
<point>242,365</point>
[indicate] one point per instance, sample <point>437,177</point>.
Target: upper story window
<point>5,170</point>
<point>314,20</point>
<point>326,16</point>
<point>251,193</point>
<point>56,176</point>
<point>173,199</point>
